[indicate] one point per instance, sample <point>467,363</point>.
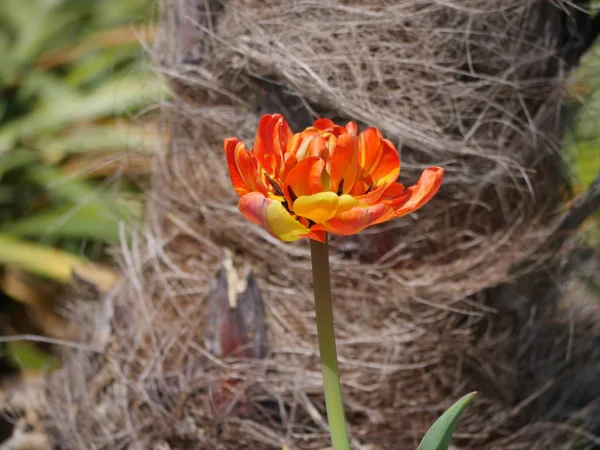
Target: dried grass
<point>458,299</point>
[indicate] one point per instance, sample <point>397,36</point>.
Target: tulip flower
<point>325,179</point>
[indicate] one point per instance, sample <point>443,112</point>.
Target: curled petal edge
<point>271,215</point>
<point>229,145</point>
<point>420,193</point>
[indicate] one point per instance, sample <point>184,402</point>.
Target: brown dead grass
<point>457,297</point>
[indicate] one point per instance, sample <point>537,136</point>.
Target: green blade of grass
<point>73,190</point>
<point>44,87</point>
<point>102,138</point>
<point>41,29</point>
<point>115,97</point>
<point>37,259</point>
<point>15,159</point>
<point>53,264</point>
<point>80,222</point>
<point>94,68</point>
<point>83,193</point>
<point>26,355</point>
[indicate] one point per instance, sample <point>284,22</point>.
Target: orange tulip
<point>328,178</point>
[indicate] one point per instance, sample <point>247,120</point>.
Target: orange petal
<point>336,130</point>
<point>388,167</point>
<point>319,236</point>
<point>370,149</point>
<point>351,128</point>
<point>373,195</point>
<point>302,143</point>
<point>304,178</point>
<point>253,207</point>
<point>289,162</point>
<point>293,143</point>
<point>427,186</point>
<point>249,169</point>
<point>344,163</point>
<point>239,185</point>
<point>244,170</point>
<point>355,220</point>
<point>367,194</point>
<point>323,124</point>
<point>270,142</point>
<point>395,194</point>
<point>317,147</point>
<point>359,188</point>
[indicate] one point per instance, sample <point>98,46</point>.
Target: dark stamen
<point>340,190</point>
<point>310,223</point>
<point>370,188</point>
<point>292,195</point>
<point>276,189</point>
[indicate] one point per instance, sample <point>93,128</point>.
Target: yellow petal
<point>347,202</point>
<point>317,207</point>
<point>283,225</point>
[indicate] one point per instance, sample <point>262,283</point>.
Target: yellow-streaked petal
<point>253,207</point>
<point>317,207</point>
<point>283,225</point>
<point>344,163</point>
<point>355,220</point>
<point>270,142</point>
<point>370,150</point>
<point>230,145</point>
<point>347,202</point>
<point>305,139</point>
<point>423,191</point>
<point>388,168</point>
<point>304,178</point>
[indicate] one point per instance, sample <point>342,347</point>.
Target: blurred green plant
<point>71,69</point>
<point>582,139</point>
<point>582,149</point>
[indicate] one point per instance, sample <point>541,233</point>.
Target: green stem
<point>331,376</point>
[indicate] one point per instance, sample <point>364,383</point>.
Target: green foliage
<point>582,139</point>
<point>439,435</point>
<point>71,73</point>
<point>31,28</point>
<point>25,355</point>
<point>69,66</point>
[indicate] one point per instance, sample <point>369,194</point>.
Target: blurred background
<point>77,102</point>
<point>76,110</point>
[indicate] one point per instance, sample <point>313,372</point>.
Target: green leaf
<point>26,355</point>
<point>62,187</point>
<point>586,160</point>
<point>439,435</point>
<point>101,64</point>
<point>115,97</point>
<point>86,221</point>
<point>38,259</point>
<point>101,138</point>
<point>43,87</point>
<point>54,264</point>
<point>16,159</point>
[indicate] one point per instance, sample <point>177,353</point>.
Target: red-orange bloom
<point>328,178</point>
